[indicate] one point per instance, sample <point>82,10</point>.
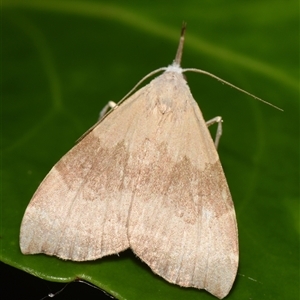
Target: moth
<point>147,177</point>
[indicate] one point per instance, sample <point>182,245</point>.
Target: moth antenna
<point>122,100</point>
<point>140,82</point>
<point>231,85</point>
<point>177,60</point>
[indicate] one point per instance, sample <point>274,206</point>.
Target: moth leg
<point>106,108</point>
<point>219,129</point>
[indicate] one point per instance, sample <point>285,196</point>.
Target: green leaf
<point>63,60</point>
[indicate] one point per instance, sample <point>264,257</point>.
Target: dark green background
<point>63,60</point>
